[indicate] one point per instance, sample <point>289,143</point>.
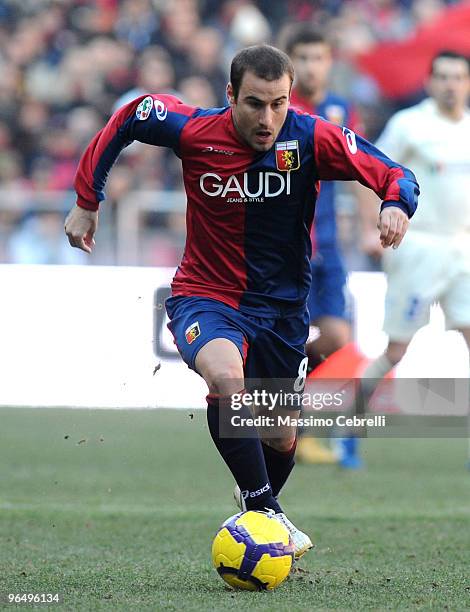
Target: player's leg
<point>348,446</point>
<point>377,370</point>
<point>411,290</point>
<point>280,365</point>
<point>465,331</point>
<point>333,333</point>
<point>220,363</point>
<point>410,293</point>
<point>275,362</point>
<point>347,443</point>
<point>277,357</point>
<point>279,452</point>
<point>399,339</point>
<point>209,337</point>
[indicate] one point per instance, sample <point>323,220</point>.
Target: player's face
<point>312,64</point>
<point>450,83</point>
<point>260,110</point>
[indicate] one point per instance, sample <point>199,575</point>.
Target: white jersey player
<point>433,263</point>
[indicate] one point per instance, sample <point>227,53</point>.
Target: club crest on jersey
<point>144,109</point>
<point>287,155</point>
<point>192,332</point>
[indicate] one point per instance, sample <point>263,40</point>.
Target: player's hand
<point>370,243</point>
<point>80,227</point>
<point>393,223</point>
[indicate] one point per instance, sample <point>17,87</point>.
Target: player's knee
<point>224,378</point>
<point>337,341</point>
<point>335,333</point>
<point>282,445</point>
<point>396,351</point>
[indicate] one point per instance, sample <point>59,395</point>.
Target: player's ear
<point>230,95</point>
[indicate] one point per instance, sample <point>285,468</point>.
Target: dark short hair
<point>302,34</point>
<point>264,61</point>
<point>448,55</point>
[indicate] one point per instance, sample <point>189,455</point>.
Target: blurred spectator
<point>198,91</point>
<point>206,50</point>
<point>153,74</point>
<point>249,26</point>
<point>34,241</point>
<point>180,23</point>
<point>137,23</point>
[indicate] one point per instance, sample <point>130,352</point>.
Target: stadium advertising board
<point>109,324</point>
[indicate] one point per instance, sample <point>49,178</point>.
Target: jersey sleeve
<point>151,119</point>
<point>341,154</point>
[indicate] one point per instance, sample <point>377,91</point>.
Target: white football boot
<point>238,497</point>
<point>301,541</point>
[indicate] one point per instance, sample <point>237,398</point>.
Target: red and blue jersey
<point>249,213</point>
<point>337,110</point>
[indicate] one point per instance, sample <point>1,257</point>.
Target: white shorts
<point>425,269</point>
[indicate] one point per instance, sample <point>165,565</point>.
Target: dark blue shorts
<point>270,347</point>
<point>327,295</point>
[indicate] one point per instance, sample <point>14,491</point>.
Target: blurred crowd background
<point>65,65</point>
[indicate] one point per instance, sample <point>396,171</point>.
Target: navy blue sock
<point>279,465</point>
<point>243,455</point>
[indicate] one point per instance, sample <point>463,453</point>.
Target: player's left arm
<point>341,154</point>
<point>152,119</point>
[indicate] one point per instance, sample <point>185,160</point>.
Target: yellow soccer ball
<point>253,551</point>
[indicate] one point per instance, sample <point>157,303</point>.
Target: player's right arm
<point>342,155</point>
<point>151,119</point>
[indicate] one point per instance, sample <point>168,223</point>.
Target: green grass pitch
<point>116,510</point>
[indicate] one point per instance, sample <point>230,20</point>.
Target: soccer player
<point>312,58</point>
<point>238,305</point>
<point>433,137</point>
